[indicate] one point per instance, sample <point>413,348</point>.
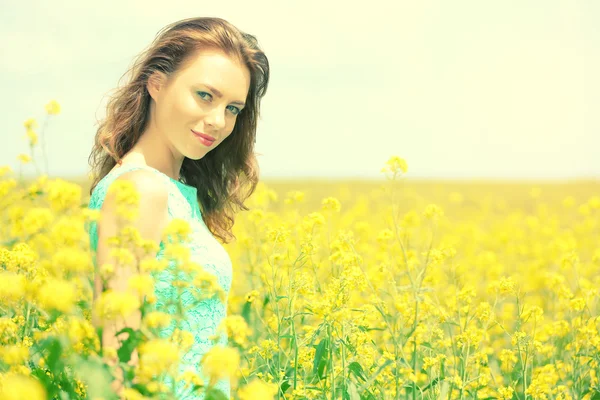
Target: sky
<point>459,89</point>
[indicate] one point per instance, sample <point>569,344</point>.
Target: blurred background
<point>461,90</point>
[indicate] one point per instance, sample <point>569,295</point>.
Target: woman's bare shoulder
<point>151,187</point>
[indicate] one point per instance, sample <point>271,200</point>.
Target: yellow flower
<point>12,286</point>
<point>236,328</point>
<point>206,286</point>
<point>179,228</point>
<point>5,169</point>
<point>8,328</point>
<point>505,392</point>
<point>577,304</point>
<point>331,203</point>
<point>191,378</point>
<point>132,394</point>
<point>158,355</point>
<point>385,235</point>
<point>127,198</point>
<point>24,158</point>
<point>258,390</point>
<point>182,338</point>
<point>57,294</point>
<point>432,212</point>
<point>153,265</point>
<point>37,219</point>
<point>112,305</point>
<point>251,296</point>
<point>33,137</point>
<point>14,354</point>
<point>507,358</point>
<point>429,362</point>
<point>157,319</point>
<point>63,195</point>
<point>220,362</point>
<point>507,286</point>
<point>30,123</point>
<point>395,165</point>
<point>80,329</point>
<point>141,284</point>
<point>18,387</point>
<point>53,108</point>
<point>177,252</point>
<point>411,219</point>
<point>124,257</point>
<point>72,259</point>
<point>294,197</point>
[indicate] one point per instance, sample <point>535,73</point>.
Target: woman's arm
<point>151,220</point>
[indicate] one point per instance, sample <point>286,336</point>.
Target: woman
<point>182,130</point>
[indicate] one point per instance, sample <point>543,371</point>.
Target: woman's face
<point>203,97</point>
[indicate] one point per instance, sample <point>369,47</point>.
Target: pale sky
<point>484,89</point>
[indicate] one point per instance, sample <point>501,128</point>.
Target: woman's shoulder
<point>146,181</point>
<point>149,185</point>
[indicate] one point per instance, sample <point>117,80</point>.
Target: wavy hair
<point>222,174</point>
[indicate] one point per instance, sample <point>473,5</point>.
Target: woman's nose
<point>216,118</point>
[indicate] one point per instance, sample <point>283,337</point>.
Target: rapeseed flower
<point>24,158</point>
<point>395,165</point>
<point>63,195</point>
<point>236,328</point>
<point>19,387</point>
<point>32,136</point>
<point>220,362</point>
<point>112,305</point>
<point>57,294</point>
<point>258,390</point>
<point>157,319</point>
<point>330,204</point>
<point>53,108</point>
<point>158,355</point>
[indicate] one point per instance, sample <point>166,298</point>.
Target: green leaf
<point>143,389</point>
<point>349,345</point>
<point>129,344</point>
<point>357,370</point>
<point>431,384</point>
<point>215,394</point>
<point>595,395</point>
<point>321,351</point>
<point>46,381</point>
<point>285,385</point>
<point>246,312</point>
<point>53,361</point>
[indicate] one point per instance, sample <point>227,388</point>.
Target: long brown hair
<point>220,175</point>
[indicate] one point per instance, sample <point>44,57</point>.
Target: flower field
<point>396,289</point>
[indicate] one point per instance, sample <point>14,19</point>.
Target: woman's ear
<point>155,84</point>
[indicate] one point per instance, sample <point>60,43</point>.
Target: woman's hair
<point>221,173</point>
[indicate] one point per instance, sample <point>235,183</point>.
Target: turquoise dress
<point>205,250</point>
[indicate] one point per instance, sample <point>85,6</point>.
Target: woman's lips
<point>207,137</point>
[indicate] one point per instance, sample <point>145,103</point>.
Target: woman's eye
<point>235,110</point>
<point>201,93</point>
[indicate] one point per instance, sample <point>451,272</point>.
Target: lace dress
<point>205,250</point>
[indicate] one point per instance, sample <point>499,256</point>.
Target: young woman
<point>182,130</point>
